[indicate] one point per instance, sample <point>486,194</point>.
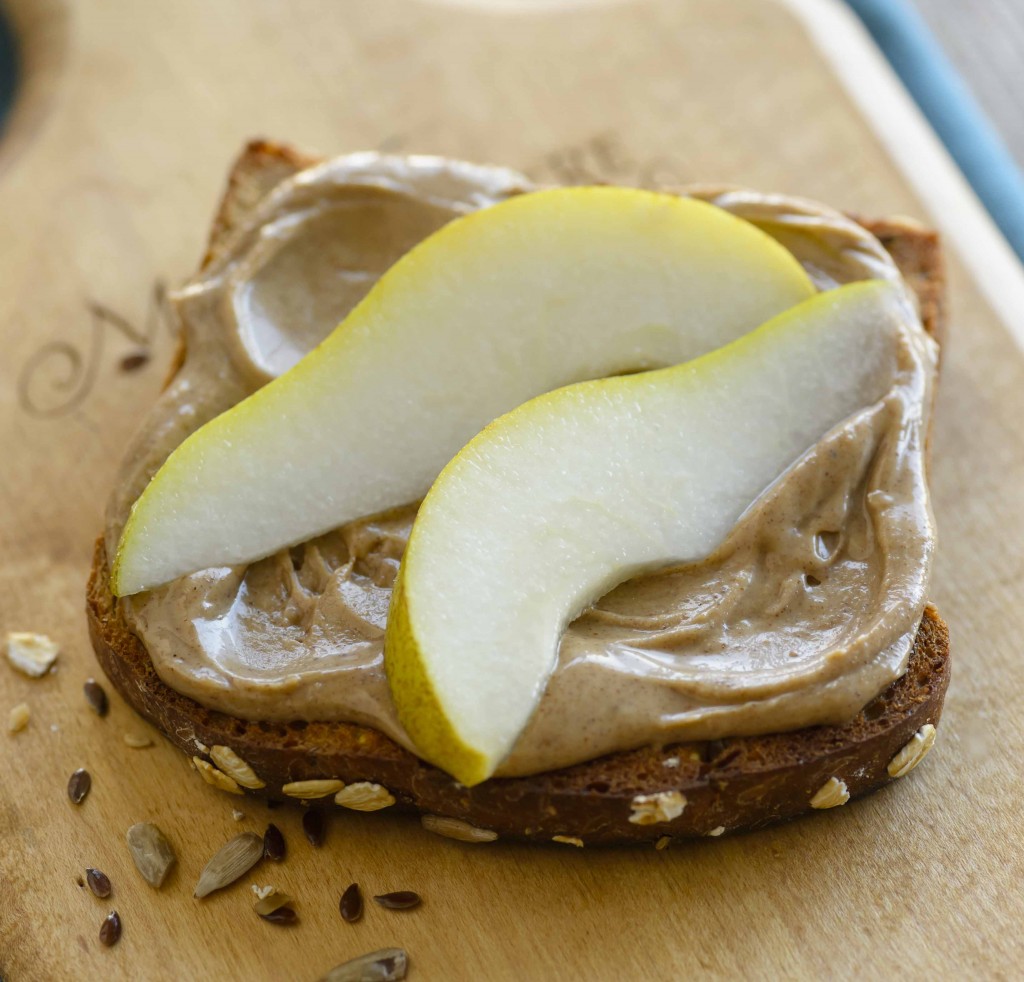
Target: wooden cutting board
<point>109,174</point>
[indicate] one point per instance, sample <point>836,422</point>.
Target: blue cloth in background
<point>949,106</point>
<point>8,69</point>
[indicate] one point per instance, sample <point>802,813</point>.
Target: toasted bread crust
<point>731,785</point>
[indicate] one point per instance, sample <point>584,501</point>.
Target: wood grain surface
<point>109,199</point>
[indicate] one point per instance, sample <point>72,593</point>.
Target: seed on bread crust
<point>568,840</point>
<point>236,768</point>
<point>718,830</point>
<point>663,806</point>
<point>31,654</point>
<point>914,752</point>
<point>216,778</point>
<point>364,796</point>
<point>456,828</point>
<point>312,789</point>
<point>663,842</point>
<point>831,794</point>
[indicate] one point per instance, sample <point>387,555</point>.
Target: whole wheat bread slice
<point>728,785</point>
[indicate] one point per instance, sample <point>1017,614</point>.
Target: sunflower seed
<point>236,768</point>
<point>110,929</point>
<point>351,905</point>
<point>455,828</point>
<point>364,796</point>
<point>386,965</point>
<point>274,847</point>
<point>216,778</point>
<point>314,825</point>
<point>98,882</point>
<point>234,859</point>
<point>152,854</point>
<point>271,901</point>
<point>568,840</point>
<point>137,741</point>
<point>399,900</point>
<point>79,785</point>
<point>283,915</point>
<point>96,697</point>
<point>312,789</point>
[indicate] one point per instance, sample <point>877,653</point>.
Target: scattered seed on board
<point>314,825</point>
<point>18,718</point>
<point>351,905</point>
<point>98,882</point>
<point>271,901</point>
<point>274,847</point>
<point>399,900</point>
<point>79,785</point>
<point>282,915</point>
<point>153,855</point>
<point>385,965</point>
<point>110,929</point>
<point>96,697</point>
<point>456,828</point>
<point>134,360</point>
<point>233,860</point>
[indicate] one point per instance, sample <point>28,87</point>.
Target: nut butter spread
<point>806,612</point>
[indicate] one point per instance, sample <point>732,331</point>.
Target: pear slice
<point>570,494</point>
<point>497,307</point>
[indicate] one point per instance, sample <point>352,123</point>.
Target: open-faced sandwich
<point>588,514</point>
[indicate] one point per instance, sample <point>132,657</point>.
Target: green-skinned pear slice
<point>580,489</point>
<point>499,306</point>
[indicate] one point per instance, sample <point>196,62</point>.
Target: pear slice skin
<point>557,502</point>
<point>537,292</point>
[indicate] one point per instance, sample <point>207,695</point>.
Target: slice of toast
<point>728,785</point>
